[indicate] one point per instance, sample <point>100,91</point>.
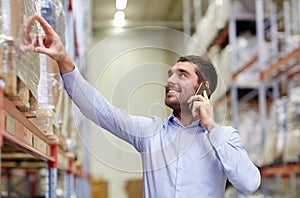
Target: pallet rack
<point>43,149</point>
<point>29,149</point>
<point>268,76</point>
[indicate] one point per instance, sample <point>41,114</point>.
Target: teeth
<point>172,91</point>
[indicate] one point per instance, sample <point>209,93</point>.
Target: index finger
<point>45,25</point>
<point>205,94</point>
<point>28,25</point>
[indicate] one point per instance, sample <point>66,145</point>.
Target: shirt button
<point>181,167</point>
<point>178,189</point>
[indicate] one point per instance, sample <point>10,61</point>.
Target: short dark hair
<point>205,70</point>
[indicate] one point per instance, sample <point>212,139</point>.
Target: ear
<point>206,83</point>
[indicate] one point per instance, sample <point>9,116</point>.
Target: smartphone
<point>199,91</point>
<point>201,88</point>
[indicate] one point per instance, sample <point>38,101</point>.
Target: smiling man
<point>187,154</point>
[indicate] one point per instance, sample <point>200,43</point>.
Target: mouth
<point>172,90</point>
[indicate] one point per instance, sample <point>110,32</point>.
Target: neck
<point>185,117</point>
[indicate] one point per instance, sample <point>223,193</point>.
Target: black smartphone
<point>201,88</point>
<point>199,91</point>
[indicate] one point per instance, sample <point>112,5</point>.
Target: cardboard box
<point>134,188</point>
<point>40,145</point>
<point>99,189</point>
<point>22,133</point>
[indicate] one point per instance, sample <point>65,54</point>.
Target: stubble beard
<point>177,106</point>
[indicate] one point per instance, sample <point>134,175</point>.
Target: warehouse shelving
<point>281,64</point>
<point>52,157</point>
<point>282,170</point>
<point>28,147</point>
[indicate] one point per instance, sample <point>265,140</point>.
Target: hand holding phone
<point>200,91</point>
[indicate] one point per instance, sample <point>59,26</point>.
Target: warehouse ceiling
<point>166,13</point>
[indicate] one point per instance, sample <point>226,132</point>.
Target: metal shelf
<point>10,108</point>
<point>283,63</point>
<point>284,170</point>
<point>50,156</point>
<point>19,144</point>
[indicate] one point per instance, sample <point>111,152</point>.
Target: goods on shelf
<point>246,49</point>
<point>214,20</point>
<point>18,130</point>
<point>53,12</point>
<point>275,138</point>
<point>27,63</point>
<point>283,136</point>
<point>250,131</point>
<point>34,94</point>
<point>49,94</point>
<point>16,66</point>
<point>8,68</point>
<point>292,146</point>
<point>49,87</point>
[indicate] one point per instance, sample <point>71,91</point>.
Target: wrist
<point>210,125</point>
<point>66,65</point>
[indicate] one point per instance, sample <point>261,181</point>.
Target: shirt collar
<point>172,119</point>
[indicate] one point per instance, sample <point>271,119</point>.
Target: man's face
<point>181,85</point>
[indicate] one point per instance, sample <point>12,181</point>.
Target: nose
<point>171,79</point>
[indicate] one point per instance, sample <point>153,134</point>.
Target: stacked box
<point>18,70</point>
<point>49,89</point>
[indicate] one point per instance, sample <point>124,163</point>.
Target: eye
<point>182,75</point>
<point>170,73</point>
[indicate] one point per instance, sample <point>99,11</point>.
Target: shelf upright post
<point>233,62</point>
<point>186,17</point>
<point>293,184</point>
<point>277,184</point>
<point>274,44</point>
<point>51,177</point>
<point>69,178</point>
<point>298,17</point>
<point>259,4</point>
<point>275,93</point>
<point>197,11</point>
<point>287,23</point>
<point>2,119</point>
<point>2,125</point>
<point>294,14</point>
<point>274,31</point>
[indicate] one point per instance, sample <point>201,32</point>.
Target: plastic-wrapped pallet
<point>50,84</point>
<point>28,62</point>
<point>292,146</point>
<point>53,12</point>
<point>275,137</point>
<point>19,71</point>
<point>250,131</point>
<point>246,49</point>
<point>49,94</point>
<point>13,14</point>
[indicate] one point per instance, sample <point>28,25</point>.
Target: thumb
<point>42,50</point>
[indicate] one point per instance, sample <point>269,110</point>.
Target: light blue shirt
<point>178,161</point>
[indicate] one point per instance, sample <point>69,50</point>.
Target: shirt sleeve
<point>95,107</point>
<point>241,172</point>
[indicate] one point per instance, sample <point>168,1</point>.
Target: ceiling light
<point>121,4</point>
<point>119,19</point>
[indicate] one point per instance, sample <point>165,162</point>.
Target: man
<point>186,155</point>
